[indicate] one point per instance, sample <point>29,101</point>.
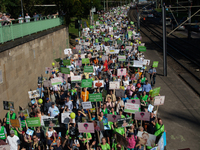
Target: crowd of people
<point>100,47</point>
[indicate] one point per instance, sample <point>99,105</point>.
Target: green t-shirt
<point>145,98</point>
<point>114,145</point>
<point>105,111</point>
<point>105,147</point>
<point>119,130</point>
<point>122,116</point>
<point>143,80</point>
<point>88,136</point>
<point>114,113</point>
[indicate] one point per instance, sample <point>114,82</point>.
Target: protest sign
<point>150,108</point>
<point>30,132</point>
<point>162,142</point>
<point>67,62</point>
<point>121,72</point>
<point>155,92</point>
<point>121,140</point>
<point>78,63</point>
<point>86,83</point>
<point>95,97</point>
<point>159,100</point>
<point>56,81</point>
<point>131,108</point>
<point>100,124</point>
<point>155,64</point>
<point>88,69</point>
<point>81,41</point>
<point>25,112</point>
<point>86,105</point>
<point>15,123</point>
<point>4,147</point>
<point>65,70</point>
<point>85,61</point>
<point>44,117</point>
<point>33,122</point>
<point>34,94</point>
<point>142,116</point>
<point>146,138</point>
<point>47,83</point>
<point>134,101</point>
<point>105,123</point>
<point>121,58</point>
<point>75,78</point>
<point>113,118</point>
<point>114,51</point>
<point>146,62</point>
<point>86,127</point>
<point>68,51</point>
<point>51,122</point>
<point>98,83</point>
<point>104,58</point>
<point>114,85</point>
<point>119,93</point>
<point>7,105</point>
<point>142,49</point>
<point>137,63</point>
<point>124,122</point>
<point>65,118</point>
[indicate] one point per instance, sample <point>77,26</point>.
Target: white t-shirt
<point>13,142</point>
<point>53,111</point>
<point>50,133</point>
<point>27,18</point>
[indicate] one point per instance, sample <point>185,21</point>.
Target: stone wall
<point>22,64</point>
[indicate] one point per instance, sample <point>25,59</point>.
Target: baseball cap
<point>12,132</point>
<point>47,99</point>
<point>52,103</point>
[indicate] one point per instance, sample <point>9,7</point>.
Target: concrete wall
<point>21,66</point>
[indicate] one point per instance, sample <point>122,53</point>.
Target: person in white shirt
<point>27,18</point>
<point>53,110</point>
<point>21,19</point>
<point>13,141</point>
<point>69,104</point>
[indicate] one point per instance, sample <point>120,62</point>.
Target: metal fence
<point>18,30</point>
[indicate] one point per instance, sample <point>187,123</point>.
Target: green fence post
<point>11,27</point>
<point>1,33</point>
<point>22,31</point>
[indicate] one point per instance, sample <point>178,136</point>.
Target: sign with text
<point>33,122</point>
<point>95,97</point>
<point>137,63</point>
<point>142,116</point>
<point>86,83</point>
<point>65,70</point>
<point>75,78</point>
<point>131,108</point>
<point>87,105</point>
<point>34,94</point>
<point>155,64</point>
<point>51,122</point>
<point>124,122</point>
<point>67,62</point>
<point>119,93</point>
<point>15,123</point>
<point>121,58</point>
<point>56,81</point>
<point>86,127</point>
<point>79,63</point>
<point>47,83</point>
<point>150,141</point>
<point>85,61</point>
<point>155,92</point>
<point>88,69</point>
<point>114,85</point>
<point>159,100</point>
<point>65,118</point>
<point>113,118</point>
<point>68,51</point>
<point>121,72</point>
<point>134,101</point>
<point>142,49</point>
<point>98,83</point>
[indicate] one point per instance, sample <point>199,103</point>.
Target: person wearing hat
<point>13,141</point>
<point>53,110</point>
<point>8,116</point>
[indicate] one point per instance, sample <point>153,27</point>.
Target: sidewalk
<point>181,111</point>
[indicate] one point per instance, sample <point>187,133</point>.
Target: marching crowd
<point>118,80</point>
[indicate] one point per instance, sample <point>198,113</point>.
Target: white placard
<point>159,100</point>
<point>87,105</point>
<point>81,42</point>
<point>68,51</point>
<point>146,62</point>
<point>65,118</point>
<point>121,72</point>
<point>75,78</point>
<point>114,85</point>
<point>137,63</point>
<point>33,94</point>
<point>98,83</point>
<point>44,117</point>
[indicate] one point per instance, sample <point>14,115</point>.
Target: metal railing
<point>17,30</point>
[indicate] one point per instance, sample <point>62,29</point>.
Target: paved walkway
<point>181,111</point>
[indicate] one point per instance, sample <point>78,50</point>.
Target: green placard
<point>33,122</point>
<point>155,92</point>
<point>86,83</point>
<point>88,69</point>
<point>96,40</point>
<point>95,97</point>
<point>91,27</point>
<point>85,61</point>
<point>65,70</point>
<point>67,62</point>
<point>142,49</point>
<point>106,39</point>
<point>57,60</point>
<point>155,64</point>
<point>114,28</point>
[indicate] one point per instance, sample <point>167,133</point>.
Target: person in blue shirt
<point>146,87</point>
<point>125,98</point>
<point>41,90</point>
<point>152,73</point>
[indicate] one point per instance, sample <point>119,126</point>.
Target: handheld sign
<point>34,94</point>
<point>67,62</point>
<point>51,122</point>
<point>86,83</point>
<point>75,78</point>
<point>124,122</point>
<point>114,85</point>
<point>65,118</point>
<point>15,123</point>
<point>155,64</point>
<point>142,49</point>
<point>142,116</point>
<point>98,83</point>
<point>95,97</point>
<point>86,127</point>
<point>121,72</point>
<point>121,58</point>
<point>155,92</point>
<point>88,69</point>
<point>113,118</point>
<point>159,100</point>
<point>68,51</point>
<point>87,105</point>
<point>85,61</point>
<point>65,70</point>
<point>134,101</point>
<point>120,93</point>
<point>33,122</point>
<point>56,81</point>
<point>131,108</point>
<point>47,83</point>
<point>30,132</point>
<point>79,63</point>
<point>148,142</point>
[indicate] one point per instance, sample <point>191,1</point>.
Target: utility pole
<point>107,5</point>
<point>104,5</point>
<point>164,41</point>
<point>22,9</point>
<point>189,21</point>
